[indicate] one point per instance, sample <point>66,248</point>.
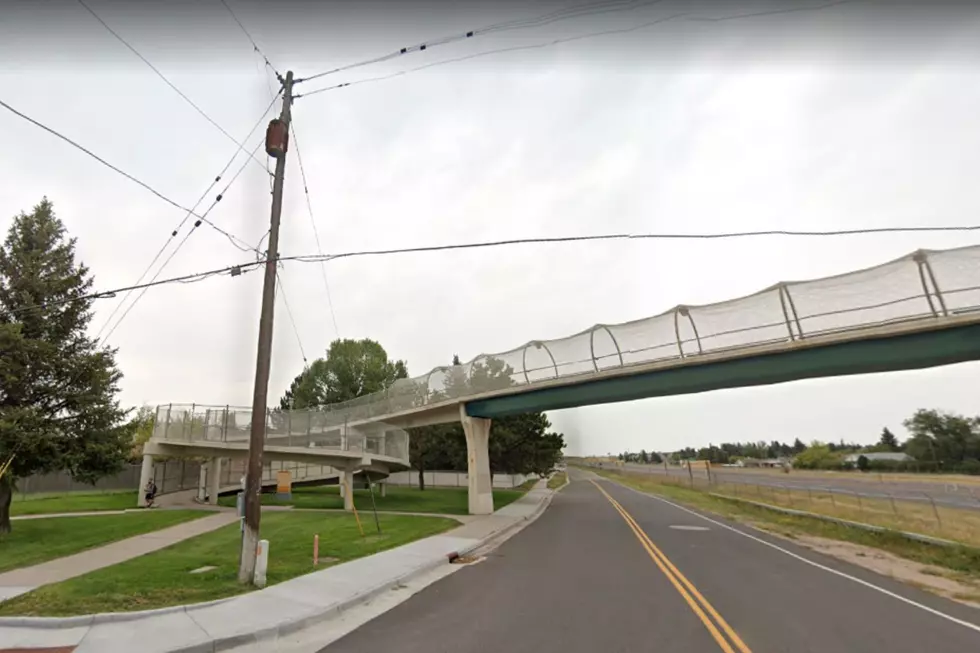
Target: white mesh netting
<point>923,285</point>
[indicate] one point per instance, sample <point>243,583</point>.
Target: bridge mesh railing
<point>923,285</point>
<point>308,429</point>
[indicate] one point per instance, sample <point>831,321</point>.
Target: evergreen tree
<point>58,408</point>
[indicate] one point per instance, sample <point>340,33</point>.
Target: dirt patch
<point>928,577</point>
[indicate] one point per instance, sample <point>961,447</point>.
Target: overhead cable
<point>569,39</point>
<point>316,234</point>
<point>163,77</point>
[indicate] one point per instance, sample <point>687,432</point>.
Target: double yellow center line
<point>712,621</point>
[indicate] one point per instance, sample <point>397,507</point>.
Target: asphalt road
<point>580,579</point>
<point>951,494</point>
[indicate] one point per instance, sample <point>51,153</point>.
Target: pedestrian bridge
<point>920,310</point>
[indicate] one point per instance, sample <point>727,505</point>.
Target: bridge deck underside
<point>893,353</point>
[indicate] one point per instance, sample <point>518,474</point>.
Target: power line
<point>255,45</point>
<point>313,258</point>
<point>289,313</point>
<point>156,258</point>
<point>589,9</point>
<point>162,76</point>
<point>203,218</point>
<point>316,234</point>
<point>95,156</point>
<point>188,211</point>
<point>232,270</point>
<point>577,37</point>
<point>173,234</point>
<point>242,268</point>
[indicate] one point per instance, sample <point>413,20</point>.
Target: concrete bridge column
<point>214,480</point>
<point>477,431</point>
<point>348,481</point>
<point>146,474</point>
<point>202,482</point>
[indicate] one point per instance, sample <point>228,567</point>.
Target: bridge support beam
<point>146,474</point>
<point>347,487</point>
<point>214,480</point>
<point>477,431</point>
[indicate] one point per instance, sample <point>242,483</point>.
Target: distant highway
<point>609,569</point>
<point>953,494</point>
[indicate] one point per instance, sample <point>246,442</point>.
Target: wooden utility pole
<point>277,140</point>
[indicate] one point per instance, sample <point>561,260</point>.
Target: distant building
<point>756,462</point>
<point>883,455</point>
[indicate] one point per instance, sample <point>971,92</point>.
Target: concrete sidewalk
<point>21,581</point>
<point>265,615</point>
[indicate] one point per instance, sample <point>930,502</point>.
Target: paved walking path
<point>265,615</point>
<point>20,581</point>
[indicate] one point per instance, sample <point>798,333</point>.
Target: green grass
<point>436,500</point>
<point>963,560</point>
<point>162,578</point>
<point>46,504</point>
<point>33,541</point>
<point>556,481</point>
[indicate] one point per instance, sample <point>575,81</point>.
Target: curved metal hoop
<point>683,310</point>
<point>428,379</point>
<point>619,352</point>
<point>537,345</point>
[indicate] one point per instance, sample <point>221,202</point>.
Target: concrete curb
<point>336,610</point>
<point>282,629</point>
<point>918,537</point>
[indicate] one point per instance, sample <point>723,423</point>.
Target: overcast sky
<point>856,115</point>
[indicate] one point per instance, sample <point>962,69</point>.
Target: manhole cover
<point>689,528</point>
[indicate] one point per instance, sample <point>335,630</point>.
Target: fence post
<point>833,501</point>
<point>690,473</point>
<point>166,427</point>
<point>935,510</point>
<point>289,428</point>
<point>789,496</point>
<point>809,496</point>
<point>860,503</point>
<point>892,499</point>
<point>224,425</point>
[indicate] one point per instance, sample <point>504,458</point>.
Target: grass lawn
<point>33,541</point>
<point>556,481</point>
<point>964,560</point>
<point>45,504</point>
<point>438,500</point>
<point>162,578</point>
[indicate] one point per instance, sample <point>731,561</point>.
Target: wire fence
<point>950,515</point>
<point>922,286</point>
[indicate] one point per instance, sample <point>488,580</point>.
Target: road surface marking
<point>679,581</point>
<point>859,581</point>
<point>682,527</point>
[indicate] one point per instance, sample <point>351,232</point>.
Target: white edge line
<point>972,626</point>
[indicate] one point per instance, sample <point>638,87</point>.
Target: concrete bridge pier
<point>477,431</point>
<point>146,473</point>
<point>214,480</point>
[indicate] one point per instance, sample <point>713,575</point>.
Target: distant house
<point>883,455</point>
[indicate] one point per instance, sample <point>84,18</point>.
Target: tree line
<point>938,442</point>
